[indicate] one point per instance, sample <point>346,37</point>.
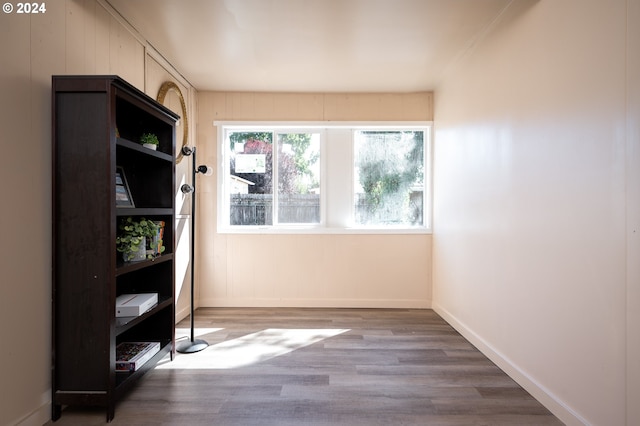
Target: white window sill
<point>310,230</point>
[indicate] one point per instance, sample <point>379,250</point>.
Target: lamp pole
<point>193,344</point>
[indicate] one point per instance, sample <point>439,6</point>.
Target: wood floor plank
<point>377,367</point>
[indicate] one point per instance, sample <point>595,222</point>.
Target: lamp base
<point>190,347</point>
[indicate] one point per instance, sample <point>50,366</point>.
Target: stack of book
<point>130,356</point>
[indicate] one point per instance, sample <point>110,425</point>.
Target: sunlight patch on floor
<point>251,349</point>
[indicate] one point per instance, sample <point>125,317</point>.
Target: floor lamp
<point>192,345</point>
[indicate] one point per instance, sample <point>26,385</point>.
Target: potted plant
<point>149,140</point>
<point>139,239</point>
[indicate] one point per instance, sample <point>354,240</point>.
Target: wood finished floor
<point>382,367</point>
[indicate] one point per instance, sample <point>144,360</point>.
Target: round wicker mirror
<point>170,96</point>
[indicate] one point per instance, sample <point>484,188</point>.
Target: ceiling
<point>311,45</point>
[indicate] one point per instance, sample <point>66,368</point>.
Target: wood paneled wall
<point>72,37</point>
<point>317,106</point>
<point>336,270</point>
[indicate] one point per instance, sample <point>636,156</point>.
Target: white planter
<point>150,146</point>
<point>140,254</point>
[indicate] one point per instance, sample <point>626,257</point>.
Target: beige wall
<point>633,213</point>
<point>536,248</point>
<point>306,270</point>
<point>157,72</point>
<point>72,37</point>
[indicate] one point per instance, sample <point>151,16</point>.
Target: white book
<point>132,305</point>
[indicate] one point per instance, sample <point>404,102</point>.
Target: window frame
<point>326,130</point>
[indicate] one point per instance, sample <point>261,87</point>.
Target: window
<point>252,178</point>
<point>298,178</point>
<point>389,178</point>
<point>324,177</point>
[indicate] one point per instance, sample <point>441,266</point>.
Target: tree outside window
<point>253,200</point>
<point>389,177</point>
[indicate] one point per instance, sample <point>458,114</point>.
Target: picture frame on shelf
<point>123,194</point>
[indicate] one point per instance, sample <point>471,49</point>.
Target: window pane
<point>389,178</point>
<point>298,178</point>
<point>251,178</point>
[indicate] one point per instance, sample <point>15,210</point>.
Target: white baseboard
<point>182,314</point>
<point>40,415</point>
<point>540,392</point>
<point>315,303</point>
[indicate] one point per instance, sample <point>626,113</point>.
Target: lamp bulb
<point>205,170</point>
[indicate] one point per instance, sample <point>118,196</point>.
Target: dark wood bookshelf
<point>96,121</point>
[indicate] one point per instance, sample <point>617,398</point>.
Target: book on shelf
<point>133,305</point>
<point>156,246</point>
<point>130,356</point>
